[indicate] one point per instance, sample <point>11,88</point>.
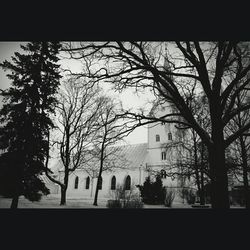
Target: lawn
<point>53,201</point>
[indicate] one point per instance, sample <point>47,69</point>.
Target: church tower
<point>160,136</point>
<point>160,133</point>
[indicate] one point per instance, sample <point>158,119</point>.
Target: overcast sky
<point>128,98</point>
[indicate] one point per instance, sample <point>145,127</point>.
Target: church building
<point>138,162</point>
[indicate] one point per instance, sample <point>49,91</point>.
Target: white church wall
<point>137,177</point>
<point>158,132</point>
<point>153,131</point>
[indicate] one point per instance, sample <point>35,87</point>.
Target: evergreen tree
<point>159,193</point>
<point>152,192</point>
<point>25,121</point>
<point>147,191</point>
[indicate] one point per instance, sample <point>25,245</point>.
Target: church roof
<point>129,156</point>
<point>134,154</point>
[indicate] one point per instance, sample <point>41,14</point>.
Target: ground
<point>53,201</point>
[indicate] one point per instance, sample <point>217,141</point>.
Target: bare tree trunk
<point>63,196</point>
<point>202,194</point>
<point>217,162</point>
<point>99,175</point>
<point>245,177</point>
<point>219,178</point>
<point>14,202</point>
<point>64,188</point>
<point>199,173</point>
<point>17,188</point>
<point>97,190</point>
<point>197,177</point>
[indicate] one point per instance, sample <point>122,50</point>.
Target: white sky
<point>129,98</point>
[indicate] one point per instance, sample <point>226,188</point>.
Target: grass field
<point>53,201</point>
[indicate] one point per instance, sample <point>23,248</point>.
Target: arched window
<point>157,138</point>
<point>99,183</point>
<point>87,182</point>
<point>128,183</point>
<point>163,174</point>
<point>76,182</point>
<point>113,183</point>
<point>170,136</point>
<point>163,156</point>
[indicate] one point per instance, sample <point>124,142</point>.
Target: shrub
<point>133,203</point>
<point>191,197</point>
<point>188,195</point>
<point>124,198</point>
<point>114,204</point>
<point>169,197</point>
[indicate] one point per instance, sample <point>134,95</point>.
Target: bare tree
<point>77,111</point>
<point>191,67</point>
<point>188,162</point>
<point>110,131</point>
<point>240,147</point>
<point>189,154</point>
